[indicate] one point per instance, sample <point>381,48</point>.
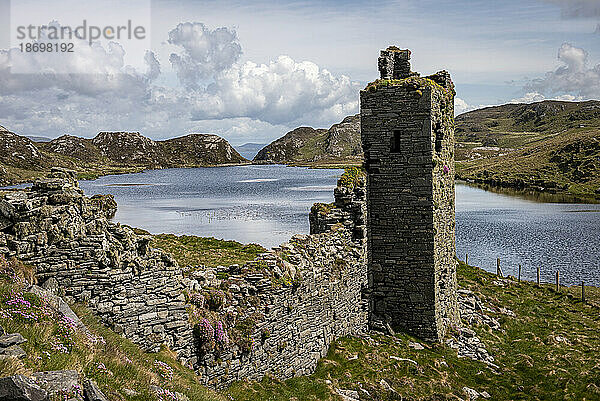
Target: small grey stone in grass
<point>11,339</point>
<point>348,395</point>
<point>21,388</point>
<point>403,360</point>
<point>386,386</point>
<point>14,351</point>
<point>472,394</point>
<point>415,345</point>
<point>92,392</point>
<point>129,392</point>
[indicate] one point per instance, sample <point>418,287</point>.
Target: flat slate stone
<point>11,339</point>
<point>57,380</point>
<point>14,351</point>
<point>21,388</point>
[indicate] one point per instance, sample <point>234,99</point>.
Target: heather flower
<point>205,331</point>
<point>446,169</point>
<point>164,370</point>
<point>221,334</point>
<point>75,392</point>
<point>57,346</point>
<point>166,395</point>
<point>103,369</point>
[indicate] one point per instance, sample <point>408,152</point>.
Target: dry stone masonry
<point>407,135</point>
<point>133,288</point>
<point>284,309</point>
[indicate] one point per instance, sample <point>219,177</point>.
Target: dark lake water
<point>268,204</point>
<point>261,204</point>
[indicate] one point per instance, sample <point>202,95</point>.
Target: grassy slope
<point>519,125</point>
<point>530,136</point>
<point>194,251</point>
<point>569,162</point>
<point>548,351</point>
<point>115,363</point>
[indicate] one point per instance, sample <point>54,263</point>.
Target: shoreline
<point>530,193</point>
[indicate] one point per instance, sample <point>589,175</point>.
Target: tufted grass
<point>534,360</point>
<point>127,366</point>
<point>190,250</point>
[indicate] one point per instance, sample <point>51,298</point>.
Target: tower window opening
<point>439,137</point>
<point>396,142</point>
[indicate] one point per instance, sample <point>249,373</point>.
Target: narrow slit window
<point>439,137</point>
<point>396,142</point>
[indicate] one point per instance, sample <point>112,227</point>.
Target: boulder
<point>57,380</point>
<point>21,388</point>
<point>14,351</point>
<point>51,285</point>
<point>59,304</point>
<point>92,392</point>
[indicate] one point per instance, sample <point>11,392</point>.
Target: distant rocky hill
<point>76,147</point>
<point>490,144</point>
<point>310,146</point>
<point>36,138</point>
<point>22,160</point>
<point>20,152</point>
<point>197,150</point>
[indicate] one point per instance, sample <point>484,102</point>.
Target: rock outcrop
<point>305,145</point>
<point>22,160</point>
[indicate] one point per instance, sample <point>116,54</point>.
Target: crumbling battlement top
<point>394,69</point>
<point>394,63</point>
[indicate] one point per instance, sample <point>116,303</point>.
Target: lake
<point>268,204</point>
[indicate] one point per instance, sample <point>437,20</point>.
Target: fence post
<point>557,281</point>
<point>538,276</point>
<point>498,268</point>
<point>467,259</point>
<point>519,273</point>
<point>582,292</point>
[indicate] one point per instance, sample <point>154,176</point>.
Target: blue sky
<point>250,71</point>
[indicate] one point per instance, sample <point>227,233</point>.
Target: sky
<point>252,71</point>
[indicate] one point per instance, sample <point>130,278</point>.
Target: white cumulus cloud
<point>101,92</point>
<point>574,78</point>
<point>282,91</point>
<point>204,53</point>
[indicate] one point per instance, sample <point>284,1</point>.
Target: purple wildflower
<point>205,331</point>
<point>221,334</point>
<point>164,370</point>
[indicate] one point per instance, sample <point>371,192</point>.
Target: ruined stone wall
<point>407,135</point>
<point>349,209</point>
<point>282,310</point>
<point>134,289</point>
<point>276,314</point>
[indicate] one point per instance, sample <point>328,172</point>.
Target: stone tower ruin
<point>407,130</point>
